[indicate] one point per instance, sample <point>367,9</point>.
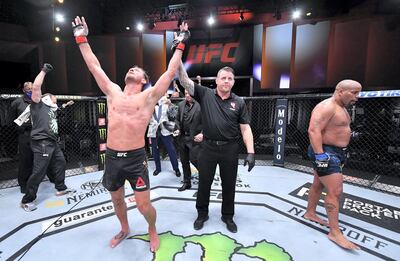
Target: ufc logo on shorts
<point>205,53</point>
<point>122,154</point>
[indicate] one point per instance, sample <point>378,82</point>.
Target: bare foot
<point>154,241</point>
<point>343,242</point>
<point>315,218</point>
<point>118,238</point>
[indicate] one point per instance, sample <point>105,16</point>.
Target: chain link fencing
<point>77,128</point>
<point>373,158</point>
<point>373,154</point>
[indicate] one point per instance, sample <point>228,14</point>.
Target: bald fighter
<point>129,113</point>
<point>330,133</point>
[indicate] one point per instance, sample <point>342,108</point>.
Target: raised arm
<point>81,30</point>
<point>166,78</point>
<point>184,79</point>
<point>37,83</point>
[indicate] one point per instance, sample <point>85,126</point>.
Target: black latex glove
<point>250,159</point>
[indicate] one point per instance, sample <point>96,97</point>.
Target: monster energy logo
<point>224,250</point>
<point>101,106</point>
<point>102,158</point>
<point>103,134</point>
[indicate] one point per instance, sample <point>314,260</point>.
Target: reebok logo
<point>140,183</point>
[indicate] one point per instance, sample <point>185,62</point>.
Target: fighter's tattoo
<point>330,207</point>
<point>184,80</point>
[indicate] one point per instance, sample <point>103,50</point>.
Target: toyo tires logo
<point>215,246</point>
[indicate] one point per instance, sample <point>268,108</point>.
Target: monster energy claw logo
<point>101,106</point>
<point>103,134</point>
<point>102,158</point>
<point>224,250</point>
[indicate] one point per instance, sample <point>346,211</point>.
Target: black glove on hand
<point>180,40</point>
<point>250,160</point>
<point>47,67</point>
<point>322,162</point>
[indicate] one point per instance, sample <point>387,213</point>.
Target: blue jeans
<point>169,146</point>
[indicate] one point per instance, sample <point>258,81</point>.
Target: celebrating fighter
<point>129,113</point>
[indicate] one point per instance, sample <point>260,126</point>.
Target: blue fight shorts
<point>337,156</point>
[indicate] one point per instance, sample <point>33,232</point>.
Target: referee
<point>224,117</point>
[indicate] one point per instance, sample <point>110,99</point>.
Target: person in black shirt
<point>224,118</point>
<point>18,106</point>
<point>190,136</point>
<point>44,136</point>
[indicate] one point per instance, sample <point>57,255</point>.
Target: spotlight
<point>139,27</point>
<point>58,29</point>
<point>127,28</point>
<point>296,14</point>
<point>57,39</point>
<point>308,14</point>
<point>59,17</point>
<point>241,17</point>
<point>210,20</point>
<point>60,1</point>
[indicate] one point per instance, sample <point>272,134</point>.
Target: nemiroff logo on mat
<point>367,210</point>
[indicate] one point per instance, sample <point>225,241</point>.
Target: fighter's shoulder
<point>325,106</point>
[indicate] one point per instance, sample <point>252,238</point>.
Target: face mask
<point>29,94</point>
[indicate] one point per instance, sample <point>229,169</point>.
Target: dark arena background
<point>284,66</point>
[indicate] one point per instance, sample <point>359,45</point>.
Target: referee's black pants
<point>47,156</point>
<point>226,156</point>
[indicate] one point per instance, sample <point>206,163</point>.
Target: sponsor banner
<point>101,110</point>
<point>378,94</point>
<point>209,51</point>
<point>71,219</point>
<point>103,135</point>
<point>373,212</point>
<point>280,132</point>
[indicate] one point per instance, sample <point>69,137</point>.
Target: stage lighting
<point>57,39</point>
<point>128,28</point>
<point>59,18</point>
<point>139,27</point>
<point>58,29</point>
<point>296,14</point>
<point>210,20</point>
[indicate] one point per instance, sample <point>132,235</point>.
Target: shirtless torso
<point>128,117</point>
<point>337,132</point>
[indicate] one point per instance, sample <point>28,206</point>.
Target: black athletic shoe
<point>156,172</point>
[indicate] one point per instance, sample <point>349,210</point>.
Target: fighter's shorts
<point>337,156</point>
<point>126,165</point>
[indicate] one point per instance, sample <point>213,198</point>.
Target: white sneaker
<point>65,192</point>
<point>29,207</point>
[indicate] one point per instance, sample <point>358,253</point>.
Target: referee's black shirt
<point>221,118</point>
